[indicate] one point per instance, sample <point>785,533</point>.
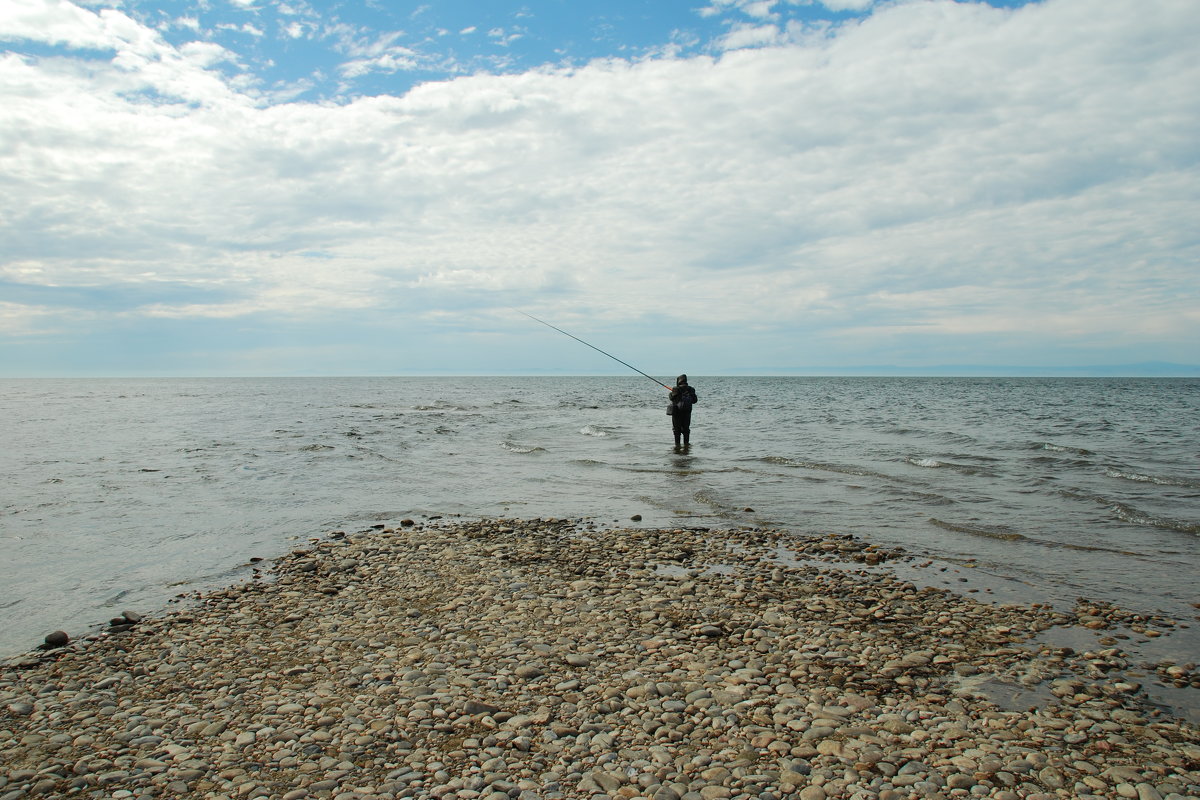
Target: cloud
<point>506,38</point>
<point>760,8</point>
<point>749,36</point>
<point>205,54</point>
<point>932,170</point>
<point>388,62</point>
<point>847,5</point>
<point>56,22</point>
<point>245,27</point>
<point>22,319</point>
<point>373,53</point>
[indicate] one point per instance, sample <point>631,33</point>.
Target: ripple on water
<point>520,449</point>
<point>595,430</point>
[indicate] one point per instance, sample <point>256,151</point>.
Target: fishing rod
<point>597,349</point>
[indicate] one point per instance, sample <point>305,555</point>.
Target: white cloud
<point>57,22</point>
<point>245,27</point>
<point>205,54</point>
<point>934,169</point>
<point>506,38</point>
<point>377,53</point>
<point>18,319</point>
<point>760,8</point>
<point>389,62</point>
<point>749,36</point>
<point>847,5</point>
<point>355,44</point>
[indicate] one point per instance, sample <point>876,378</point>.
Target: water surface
<point>122,493</point>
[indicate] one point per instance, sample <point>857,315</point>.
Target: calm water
<point>122,493</point>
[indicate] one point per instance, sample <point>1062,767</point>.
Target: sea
<point>127,493</point>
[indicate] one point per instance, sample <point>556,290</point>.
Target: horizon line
<point>1187,372</point>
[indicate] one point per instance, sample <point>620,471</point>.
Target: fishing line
<point>597,349</point>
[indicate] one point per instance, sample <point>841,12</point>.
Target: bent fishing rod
<point>597,349</point>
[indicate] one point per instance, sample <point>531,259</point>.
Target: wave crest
<point>991,531</point>
<point>1060,448</point>
<point>1159,480</point>
<point>928,463</point>
<point>521,449</point>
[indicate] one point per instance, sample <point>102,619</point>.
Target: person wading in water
<point>683,397</point>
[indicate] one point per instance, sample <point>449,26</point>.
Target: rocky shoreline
<point>561,659</point>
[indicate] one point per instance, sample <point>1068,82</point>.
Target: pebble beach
<point>555,658</point>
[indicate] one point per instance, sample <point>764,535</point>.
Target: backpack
<point>682,402</point>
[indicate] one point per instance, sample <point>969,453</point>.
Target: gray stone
<point>1146,791</point>
<point>57,639</point>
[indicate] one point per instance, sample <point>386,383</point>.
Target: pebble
<point>551,658</point>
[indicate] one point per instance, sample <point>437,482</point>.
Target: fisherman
<point>683,397</point>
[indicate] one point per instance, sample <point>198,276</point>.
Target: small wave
<point>513,447</point>
<point>440,406</point>
<point>375,453</point>
<point>1058,448</point>
<point>1159,480</point>
<point>663,470</point>
<point>594,430</point>
<point>817,465</point>
<point>718,508</point>
<point>313,448</point>
<point>991,532</point>
<point>928,463</point>
<point>1006,534</point>
<point>787,462</point>
<point>925,498</point>
<point>933,463</point>
<point>1134,516</point>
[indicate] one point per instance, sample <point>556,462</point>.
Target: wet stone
<point>538,659</point>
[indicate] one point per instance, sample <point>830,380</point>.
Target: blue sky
<point>280,187</point>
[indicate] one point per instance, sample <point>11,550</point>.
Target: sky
<point>287,187</point>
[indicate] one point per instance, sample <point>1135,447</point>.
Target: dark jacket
<point>683,397</point>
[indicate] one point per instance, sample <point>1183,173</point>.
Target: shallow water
<point>122,493</point>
